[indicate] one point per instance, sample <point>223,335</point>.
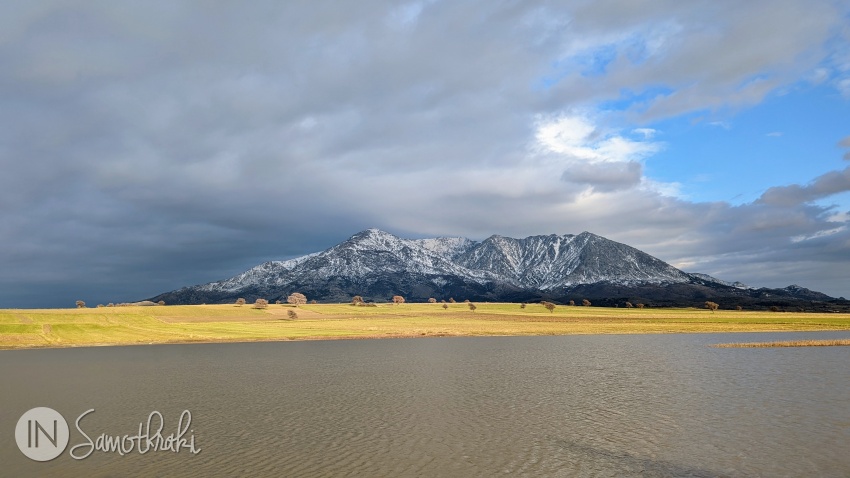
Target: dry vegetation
<point>787,343</point>
<point>232,323</point>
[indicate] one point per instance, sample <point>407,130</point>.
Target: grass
<point>788,343</point>
<point>229,323</point>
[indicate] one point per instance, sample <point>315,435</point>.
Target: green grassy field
<point>24,328</point>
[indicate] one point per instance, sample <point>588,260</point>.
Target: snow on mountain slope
<point>535,262</point>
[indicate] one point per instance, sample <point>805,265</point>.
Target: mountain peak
<point>377,265</point>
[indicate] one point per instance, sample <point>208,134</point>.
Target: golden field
<point>26,328</point>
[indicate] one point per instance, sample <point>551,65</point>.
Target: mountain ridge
<point>377,265</point>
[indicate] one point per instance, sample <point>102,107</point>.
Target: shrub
<point>738,307</point>
<point>712,306</point>
<point>629,305</point>
<point>357,300</point>
<point>451,300</point>
<point>291,314</point>
<point>572,302</point>
<point>522,306</point>
<point>585,303</point>
<point>774,308</point>
<point>261,304</point>
<point>471,306</point>
<point>640,305</point>
<point>277,302</point>
<point>240,301</point>
<point>162,302</point>
<point>397,299</point>
<point>432,300</point>
<point>297,299</point>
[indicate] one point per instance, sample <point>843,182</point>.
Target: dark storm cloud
<point>147,147</point>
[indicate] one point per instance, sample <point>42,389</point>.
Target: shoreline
<point>318,338</point>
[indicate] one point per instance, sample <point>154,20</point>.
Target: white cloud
<point>576,137</point>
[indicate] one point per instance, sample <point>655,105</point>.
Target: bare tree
<point>585,302</point>
<point>261,304</point>
<point>357,300</point>
<point>296,299</point>
<point>445,306</point>
<point>291,314</point>
<point>81,304</point>
<point>712,306</point>
<point>471,306</point>
<point>397,299</point>
<point>240,301</point>
<point>432,300</point>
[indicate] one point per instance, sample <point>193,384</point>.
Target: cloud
<point>605,176</point>
<point>149,147</point>
<point>833,182</point>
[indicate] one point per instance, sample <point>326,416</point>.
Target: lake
<point>610,405</point>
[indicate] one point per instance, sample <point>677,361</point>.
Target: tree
<point>445,306</point>
<point>314,301</point>
<point>640,305</point>
<point>162,302</point>
<point>585,302</point>
<point>522,306</point>
<point>774,308</point>
<point>296,299</point>
<point>357,300</point>
<point>712,306</point>
<point>397,299</point>
<point>572,302</point>
<point>261,304</point>
<point>451,300</point>
<point>471,306</point>
<point>291,314</point>
<point>432,300</point>
<point>549,306</point>
<point>629,305</point>
<point>738,307</point>
<point>240,301</point>
<point>277,302</point>
<point>81,304</point>
<point>466,301</point>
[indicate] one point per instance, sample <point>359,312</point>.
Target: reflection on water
<point>640,405</point>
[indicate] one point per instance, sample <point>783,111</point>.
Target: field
<point>25,328</point>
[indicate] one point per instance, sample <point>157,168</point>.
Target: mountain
<point>377,265</point>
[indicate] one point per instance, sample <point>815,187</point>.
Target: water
<point>638,405</point>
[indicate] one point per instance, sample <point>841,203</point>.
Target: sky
<point>147,146</point>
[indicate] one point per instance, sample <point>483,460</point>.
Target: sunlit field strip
<point>229,323</point>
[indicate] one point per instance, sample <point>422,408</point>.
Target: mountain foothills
<point>377,265</point>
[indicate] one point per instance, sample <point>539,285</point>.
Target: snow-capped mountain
<point>377,265</point>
